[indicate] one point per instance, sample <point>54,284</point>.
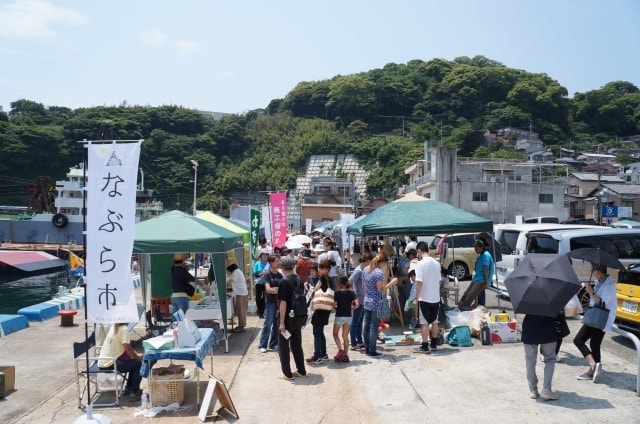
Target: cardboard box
<point>7,379</point>
<point>504,332</point>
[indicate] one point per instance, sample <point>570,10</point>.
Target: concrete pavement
<point>479,384</point>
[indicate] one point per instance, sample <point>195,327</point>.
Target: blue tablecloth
<point>208,339</point>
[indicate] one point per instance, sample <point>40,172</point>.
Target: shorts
<point>428,312</point>
<point>340,321</point>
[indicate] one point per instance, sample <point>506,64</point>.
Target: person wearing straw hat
<point>238,284</point>
<point>181,281</point>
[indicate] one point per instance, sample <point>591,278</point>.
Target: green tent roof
<point>177,231</point>
<point>417,215</point>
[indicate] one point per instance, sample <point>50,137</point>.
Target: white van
<point>512,239</point>
<point>624,244</point>
<point>542,220</point>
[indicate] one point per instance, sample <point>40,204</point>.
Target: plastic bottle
<point>144,401</point>
<point>485,334</point>
<point>291,313</point>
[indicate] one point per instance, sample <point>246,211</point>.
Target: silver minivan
<point>624,244</point>
<point>512,239</point>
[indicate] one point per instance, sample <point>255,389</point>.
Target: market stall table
<point>209,309</point>
<point>208,340</point>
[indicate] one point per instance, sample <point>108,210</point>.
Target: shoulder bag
<point>323,300</point>
<point>384,313</point>
<point>596,316</point>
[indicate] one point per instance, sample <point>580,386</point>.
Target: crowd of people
<point>415,278</point>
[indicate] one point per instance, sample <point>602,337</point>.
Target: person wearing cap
<point>238,284</point>
<point>260,268</point>
<point>181,279</point>
<point>293,325</point>
<point>303,264</point>
<point>482,276</point>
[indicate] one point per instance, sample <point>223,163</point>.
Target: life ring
<point>60,220</point>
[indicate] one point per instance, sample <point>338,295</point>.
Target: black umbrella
<point>596,257</point>
<point>542,284</point>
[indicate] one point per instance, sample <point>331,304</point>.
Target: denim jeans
<point>370,329</point>
<point>270,326</point>
<point>180,302</point>
<point>356,326</point>
<point>319,341</point>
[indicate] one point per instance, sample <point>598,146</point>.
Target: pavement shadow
<point>573,400</point>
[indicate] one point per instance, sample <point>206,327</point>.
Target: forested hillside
<point>383,116</point>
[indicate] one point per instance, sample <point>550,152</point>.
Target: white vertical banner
<point>111,209</point>
<point>265,221</point>
<point>347,219</point>
<point>308,226</point>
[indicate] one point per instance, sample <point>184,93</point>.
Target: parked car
<point>542,220</point>
<point>459,254</point>
<point>581,221</point>
<point>513,243</point>
<point>628,293</point>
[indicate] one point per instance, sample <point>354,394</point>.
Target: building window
<point>545,198</point>
<point>480,196</point>
<point>325,190</point>
<point>343,191</point>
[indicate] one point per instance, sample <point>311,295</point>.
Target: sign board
<point>216,391</point>
<point>609,211</point>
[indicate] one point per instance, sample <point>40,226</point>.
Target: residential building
<point>497,190</point>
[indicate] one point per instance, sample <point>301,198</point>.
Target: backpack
<point>299,298</point>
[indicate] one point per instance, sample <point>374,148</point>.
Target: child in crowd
<point>444,283</point>
<point>346,302</point>
<point>320,317</point>
<point>312,280</point>
<point>411,305</point>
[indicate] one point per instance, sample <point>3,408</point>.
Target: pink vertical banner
<point>278,201</point>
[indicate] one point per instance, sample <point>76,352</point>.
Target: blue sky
<point>234,56</point>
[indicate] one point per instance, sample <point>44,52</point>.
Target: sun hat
<point>231,261</point>
<point>319,248</point>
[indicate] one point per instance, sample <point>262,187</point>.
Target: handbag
<point>596,316</point>
<point>460,336</point>
<point>383,307</point>
<point>323,300</point>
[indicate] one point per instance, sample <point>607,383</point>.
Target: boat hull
<point>40,231</point>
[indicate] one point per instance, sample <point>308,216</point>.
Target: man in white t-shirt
<point>427,295</point>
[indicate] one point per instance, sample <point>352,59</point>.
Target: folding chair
<point>109,381</point>
<point>154,330</point>
<point>453,292</point>
<point>157,313</point>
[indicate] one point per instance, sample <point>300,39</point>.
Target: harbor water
<point>17,294</point>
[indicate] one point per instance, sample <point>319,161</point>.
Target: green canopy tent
<point>417,215</point>
<point>177,231</point>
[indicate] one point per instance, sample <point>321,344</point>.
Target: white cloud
<point>36,19</point>
<point>185,47</point>
<point>154,36</point>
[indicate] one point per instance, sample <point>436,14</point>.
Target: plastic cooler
<point>164,303</point>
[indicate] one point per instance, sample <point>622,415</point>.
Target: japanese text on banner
<point>278,201</point>
<point>111,207</point>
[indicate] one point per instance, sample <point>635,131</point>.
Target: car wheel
<point>584,298</point>
<point>458,270</point>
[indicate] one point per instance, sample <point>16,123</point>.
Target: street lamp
<point>195,183</point>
